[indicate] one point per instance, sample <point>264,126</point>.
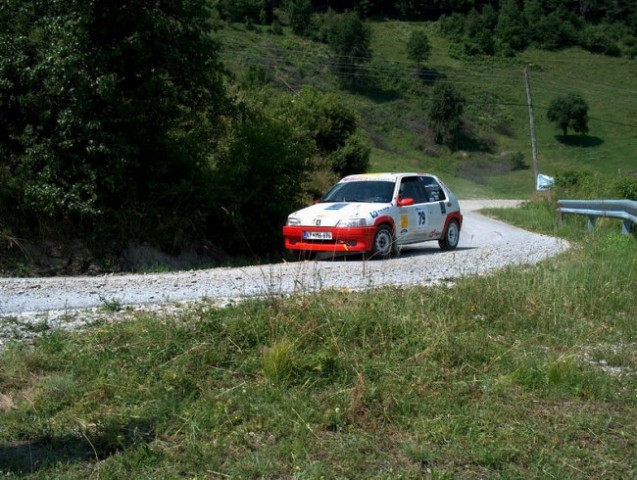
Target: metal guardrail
<point>593,209</point>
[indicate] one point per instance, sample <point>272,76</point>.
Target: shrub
<point>255,76</point>
<point>583,185</point>
<point>352,158</point>
<point>349,38</point>
<point>259,177</point>
<point>299,15</point>
<point>259,11</point>
<point>627,188</point>
<point>572,178</point>
<point>418,47</point>
<point>445,113</point>
<point>597,40</point>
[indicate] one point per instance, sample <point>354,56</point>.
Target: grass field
<point>527,373</point>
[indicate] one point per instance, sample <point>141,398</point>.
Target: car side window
<point>434,191</point>
<point>411,187</point>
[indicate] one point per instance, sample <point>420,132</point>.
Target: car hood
<point>329,214</point>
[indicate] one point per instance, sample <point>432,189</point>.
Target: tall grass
<point>527,373</point>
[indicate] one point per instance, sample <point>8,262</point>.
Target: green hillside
<point>393,109</point>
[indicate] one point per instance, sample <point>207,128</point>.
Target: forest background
<point>190,125</point>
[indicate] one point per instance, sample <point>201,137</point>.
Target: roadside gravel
<point>29,306</point>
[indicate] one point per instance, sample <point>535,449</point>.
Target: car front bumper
<point>353,239</point>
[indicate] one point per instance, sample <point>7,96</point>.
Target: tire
<point>384,244</point>
<point>451,237</point>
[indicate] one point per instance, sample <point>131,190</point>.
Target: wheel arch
<point>385,220</point>
<point>457,216</point>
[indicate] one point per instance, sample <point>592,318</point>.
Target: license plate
<point>317,235</point>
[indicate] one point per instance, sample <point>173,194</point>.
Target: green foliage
<point>255,11</point>
<point>255,76</point>
<point>577,184</point>
<point>112,110</point>
<point>596,39</point>
<point>581,184</point>
<point>331,123</point>
<point>326,117</point>
<point>627,188</point>
<point>445,113</point>
<point>349,38</point>
<point>418,47</point>
<point>512,27</point>
<point>569,111</point>
<point>299,15</point>
<point>259,175</point>
<point>353,157</point>
<point>278,360</point>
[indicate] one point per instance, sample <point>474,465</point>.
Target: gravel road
<point>68,302</point>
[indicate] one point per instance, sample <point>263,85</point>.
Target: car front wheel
<point>384,245</point>
<point>451,237</point>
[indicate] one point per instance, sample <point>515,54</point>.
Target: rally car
<point>376,214</point>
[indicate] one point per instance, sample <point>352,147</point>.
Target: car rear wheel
<point>451,237</point>
<point>384,244</point>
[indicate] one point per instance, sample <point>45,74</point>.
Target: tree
<point>260,171</point>
<point>445,113</point>
<point>349,39</point>
<point>510,28</point>
<point>569,111</point>
<point>331,124</point>
<point>299,15</point>
<point>113,106</point>
<point>418,47</point>
<point>260,11</point>
<point>353,157</point>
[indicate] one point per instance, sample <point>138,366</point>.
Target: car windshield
<point>369,191</point>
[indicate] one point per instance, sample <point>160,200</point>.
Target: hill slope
<point>392,103</point>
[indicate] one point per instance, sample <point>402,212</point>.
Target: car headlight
<point>352,222</point>
<point>293,221</point>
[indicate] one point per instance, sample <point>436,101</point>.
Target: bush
<point>572,178</point>
<point>257,11</point>
<point>327,118</point>
<point>418,47</point>
<point>583,185</point>
<point>299,15</point>
<point>445,113</point>
<point>452,26</point>
<point>596,39</point>
<point>255,76</point>
<point>349,38</point>
<point>627,188</point>
<point>260,174</point>
<point>352,158</point>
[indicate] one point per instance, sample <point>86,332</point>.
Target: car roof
<point>383,176</point>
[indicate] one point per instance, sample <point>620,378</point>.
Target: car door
<point>436,207</point>
<point>414,218</point>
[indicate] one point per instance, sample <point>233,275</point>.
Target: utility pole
<point>536,168</point>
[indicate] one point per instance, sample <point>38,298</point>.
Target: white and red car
<point>375,214</point>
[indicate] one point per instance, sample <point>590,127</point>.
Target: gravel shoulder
<point>30,305</point>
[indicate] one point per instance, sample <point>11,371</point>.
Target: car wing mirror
<point>404,202</point>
